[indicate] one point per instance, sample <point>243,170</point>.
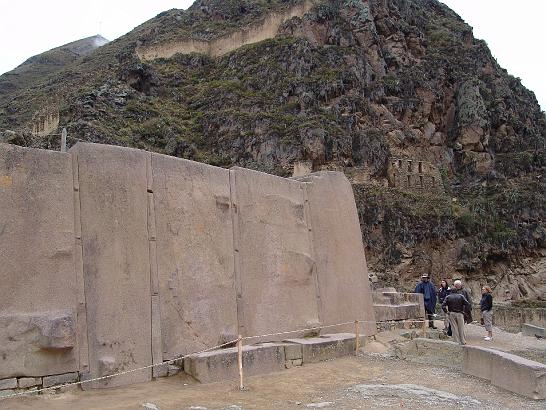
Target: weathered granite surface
<point>275,262</point>
<point>194,255</point>
<point>37,283</point>
<point>114,203</point>
<point>343,283</point>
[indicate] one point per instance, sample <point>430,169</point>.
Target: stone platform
<point>397,310</point>
<point>264,358</point>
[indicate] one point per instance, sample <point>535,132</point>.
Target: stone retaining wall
<point>512,318</point>
<point>264,30</point>
<point>114,258</point>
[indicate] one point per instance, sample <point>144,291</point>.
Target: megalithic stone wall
<point>114,258</point>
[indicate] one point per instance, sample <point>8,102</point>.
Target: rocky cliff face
<point>445,149</point>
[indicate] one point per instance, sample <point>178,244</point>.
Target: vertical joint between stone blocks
<point>236,255</point>
<point>81,313</point>
<point>307,217</point>
<point>156,344</point>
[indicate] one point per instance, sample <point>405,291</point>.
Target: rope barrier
<point>44,389</point>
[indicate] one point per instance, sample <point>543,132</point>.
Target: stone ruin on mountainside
<point>45,122</point>
<point>413,174</point>
<point>115,258</point>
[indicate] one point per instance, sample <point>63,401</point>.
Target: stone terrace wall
<point>414,175</point>
<point>114,258</point>
<point>267,29</point>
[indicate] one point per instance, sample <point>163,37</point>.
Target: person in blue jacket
<point>427,288</point>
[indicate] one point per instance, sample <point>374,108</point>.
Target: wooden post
<point>240,361</point>
<point>63,140</point>
<point>357,337</point>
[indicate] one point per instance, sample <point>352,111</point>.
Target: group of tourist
<point>456,303</point>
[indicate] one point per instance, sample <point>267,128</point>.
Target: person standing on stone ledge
<point>428,290</point>
<point>455,304</point>
<point>486,307</point>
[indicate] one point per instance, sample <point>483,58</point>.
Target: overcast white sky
<point>515,31</point>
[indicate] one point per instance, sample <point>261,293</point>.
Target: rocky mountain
<point>445,149</point>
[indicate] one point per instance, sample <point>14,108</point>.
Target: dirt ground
<point>372,380</point>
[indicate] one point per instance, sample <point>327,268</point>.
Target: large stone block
<point>194,255</point>
<point>37,262</point>
<point>222,364</point>
<point>276,282</point>
<point>114,224</point>
<point>506,370</point>
<point>385,313</point>
<point>326,347</point>
<point>342,273</point>
<point>519,375</point>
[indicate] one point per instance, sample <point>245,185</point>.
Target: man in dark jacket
<point>458,285</point>
<point>428,290</point>
<point>454,306</point>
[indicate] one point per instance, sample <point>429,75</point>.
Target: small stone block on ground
<point>6,384</point>
<point>60,379</point>
<point>173,370</point>
<point>326,347</point>
<point>532,330</point>
<point>25,382</point>
<point>161,370</point>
